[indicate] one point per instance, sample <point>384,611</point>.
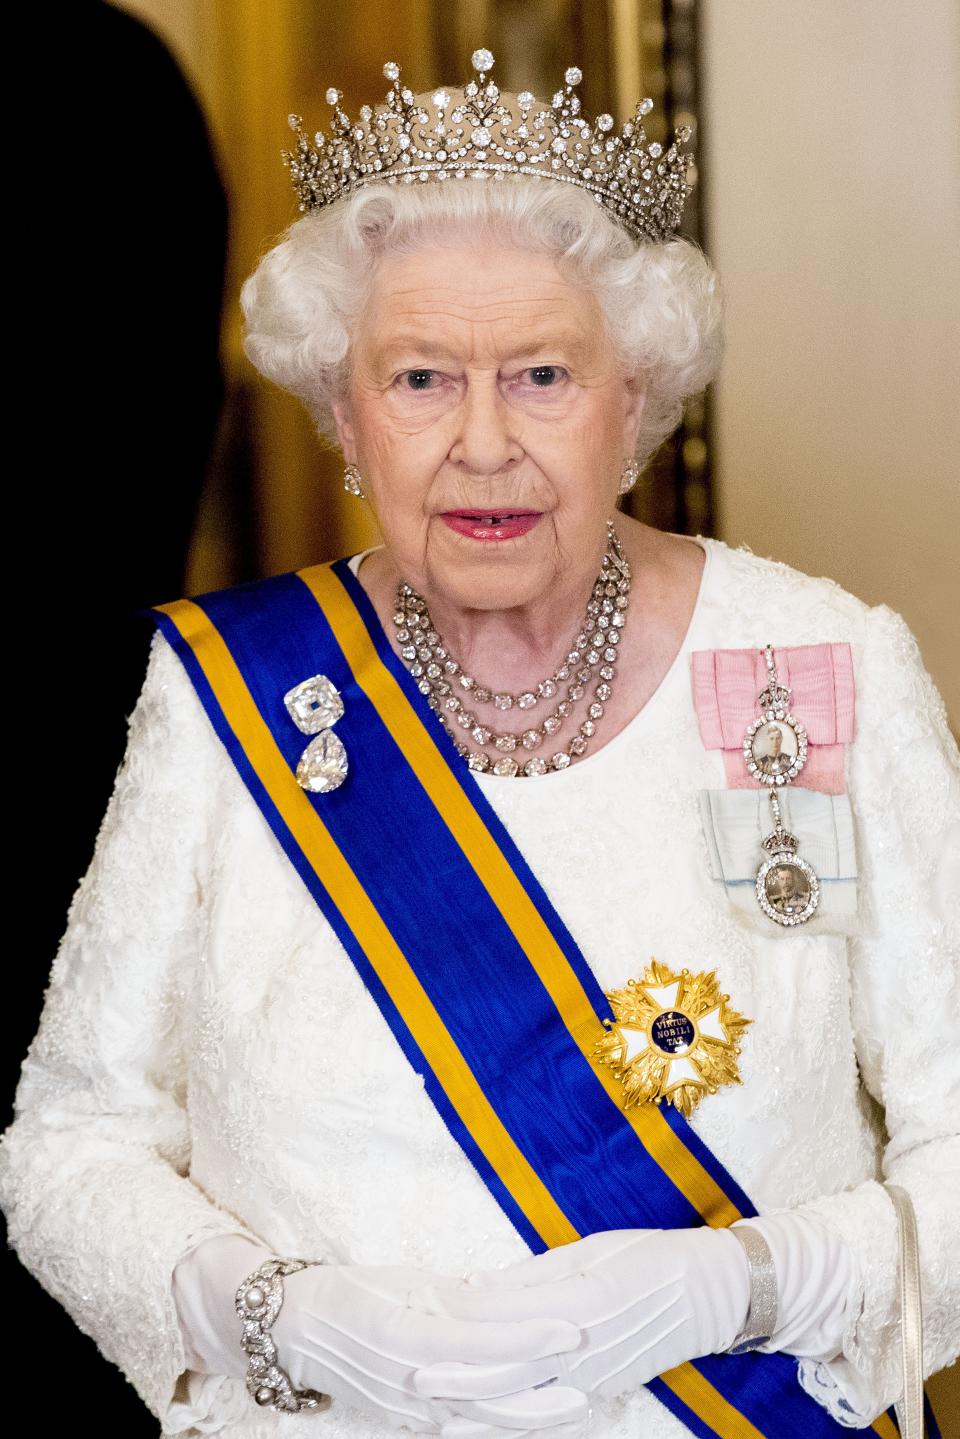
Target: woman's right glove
<point>350,1331</point>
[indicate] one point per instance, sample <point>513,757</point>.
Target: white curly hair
<point>661,300</point>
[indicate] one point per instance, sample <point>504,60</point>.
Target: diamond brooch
<point>315,705</point>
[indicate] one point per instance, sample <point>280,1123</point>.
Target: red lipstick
<point>491,525</point>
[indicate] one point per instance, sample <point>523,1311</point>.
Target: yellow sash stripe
<point>405,990</point>
<point>505,890</point>
<point>699,1395</point>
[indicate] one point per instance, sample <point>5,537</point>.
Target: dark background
<point>124,226</point>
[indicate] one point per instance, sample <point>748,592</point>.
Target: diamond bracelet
<point>258,1302</point>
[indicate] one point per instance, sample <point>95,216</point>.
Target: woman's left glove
<point>645,1300</point>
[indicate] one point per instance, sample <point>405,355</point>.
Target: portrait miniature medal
<point>788,890</point>
<point>775,750</point>
<point>673,1038</point>
<point>775,744</point>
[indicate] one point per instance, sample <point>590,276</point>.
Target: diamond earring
<point>629,476</point>
<point>351,482</point>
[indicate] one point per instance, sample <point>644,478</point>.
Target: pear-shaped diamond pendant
<point>323,764</point>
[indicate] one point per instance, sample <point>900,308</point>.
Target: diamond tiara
<point>471,132</point>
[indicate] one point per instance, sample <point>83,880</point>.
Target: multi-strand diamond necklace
<point>594,651</point>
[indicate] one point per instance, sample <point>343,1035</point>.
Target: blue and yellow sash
<point>481,983</point>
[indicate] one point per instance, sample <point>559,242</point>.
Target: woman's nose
<point>486,439</point>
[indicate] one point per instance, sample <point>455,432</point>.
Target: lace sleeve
<point>94,1164</point>
<point>905,986</point>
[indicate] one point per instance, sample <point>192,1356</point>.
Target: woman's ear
<point>345,432</point>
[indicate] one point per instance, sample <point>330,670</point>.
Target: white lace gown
<point>208,1060</point>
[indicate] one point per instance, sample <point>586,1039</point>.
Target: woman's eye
<point>417,379</point>
<point>544,376</point>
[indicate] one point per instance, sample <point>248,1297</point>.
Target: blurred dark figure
<point>121,281</point>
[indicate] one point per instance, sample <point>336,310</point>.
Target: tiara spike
<point>473,132</point>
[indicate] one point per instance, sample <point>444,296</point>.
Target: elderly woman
<point>426,1045</point>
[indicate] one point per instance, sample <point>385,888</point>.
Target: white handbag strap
<point>910,1408</point>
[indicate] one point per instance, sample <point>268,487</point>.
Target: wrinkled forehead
<point>496,298</point>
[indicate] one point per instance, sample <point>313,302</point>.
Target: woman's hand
<point>350,1331</point>
<point>643,1300</point>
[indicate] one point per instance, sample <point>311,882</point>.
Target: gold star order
<point>673,1037</point>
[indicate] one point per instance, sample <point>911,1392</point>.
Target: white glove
<point>350,1331</point>
<point>647,1300</point>
<point>816,1284</point>
<point>644,1301</point>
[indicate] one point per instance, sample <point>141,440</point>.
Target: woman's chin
<point>487,574</point>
